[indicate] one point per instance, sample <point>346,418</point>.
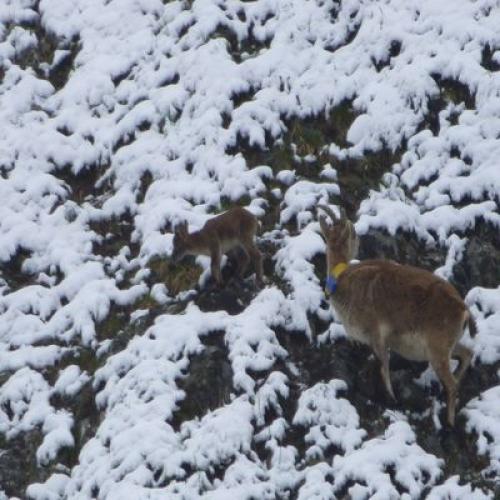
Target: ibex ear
<point>181,229</point>
<point>325,229</point>
<point>348,231</point>
<point>352,240</point>
<point>355,244</point>
<point>352,230</point>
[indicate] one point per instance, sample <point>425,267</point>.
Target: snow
<point>52,489</point>
<point>331,420</point>
<point>25,404</point>
<point>452,489</point>
<point>293,262</point>
<point>156,89</point>
<point>482,418</point>
<point>303,197</point>
<point>70,381</point>
<point>315,485</point>
<point>485,304</point>
<point>369,466</point>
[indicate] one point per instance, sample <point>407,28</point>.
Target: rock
<point>232,296</point>
<point>208,383</point>
<point>404,248</point>
<point>18,466</point>
<point>480,265</point>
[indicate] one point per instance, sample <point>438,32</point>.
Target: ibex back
<point>233,229</point>
<point>396,307</point>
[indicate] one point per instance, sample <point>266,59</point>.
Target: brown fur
<point>393,307</point>
<point>230,230</point>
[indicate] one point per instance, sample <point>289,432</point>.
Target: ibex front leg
<point>243,260</point>
<point>382,353</point>
<point>256,256</point>
<point>215,255</point>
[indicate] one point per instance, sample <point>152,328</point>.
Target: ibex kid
<point>235,228</point>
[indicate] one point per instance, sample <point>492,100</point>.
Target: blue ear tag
<point>331,284</point>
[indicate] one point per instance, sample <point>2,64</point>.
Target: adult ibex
<point>394,307</point>
<point>233,229</point>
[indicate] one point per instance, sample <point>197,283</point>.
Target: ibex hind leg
<point>464,355</point>
<point>441,365</point>
<point>386,376</point>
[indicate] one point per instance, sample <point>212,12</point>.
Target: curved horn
<point>328,211</point>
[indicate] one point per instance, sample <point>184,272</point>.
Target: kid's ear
<point>181,229</point>
<point>184,228</point>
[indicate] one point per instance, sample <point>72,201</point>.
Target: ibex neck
<point>338,269</point>
<point>198,241</point>
<point>196,235</point>
<point>333,275</point>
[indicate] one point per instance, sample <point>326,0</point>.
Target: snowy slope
<point>122,118</point>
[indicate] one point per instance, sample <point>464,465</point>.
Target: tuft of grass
<point>308,138</point>
<point>86,359</point>
<point>183,278</point>
<point>146,302</point>
<point>178,277</point>
<point>453,91</point>
<point>356,176</point>
<point>115,321</point>
<point>340,119</point>
<point>12,271</point>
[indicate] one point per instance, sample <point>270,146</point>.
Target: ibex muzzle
<point>394,307</point>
